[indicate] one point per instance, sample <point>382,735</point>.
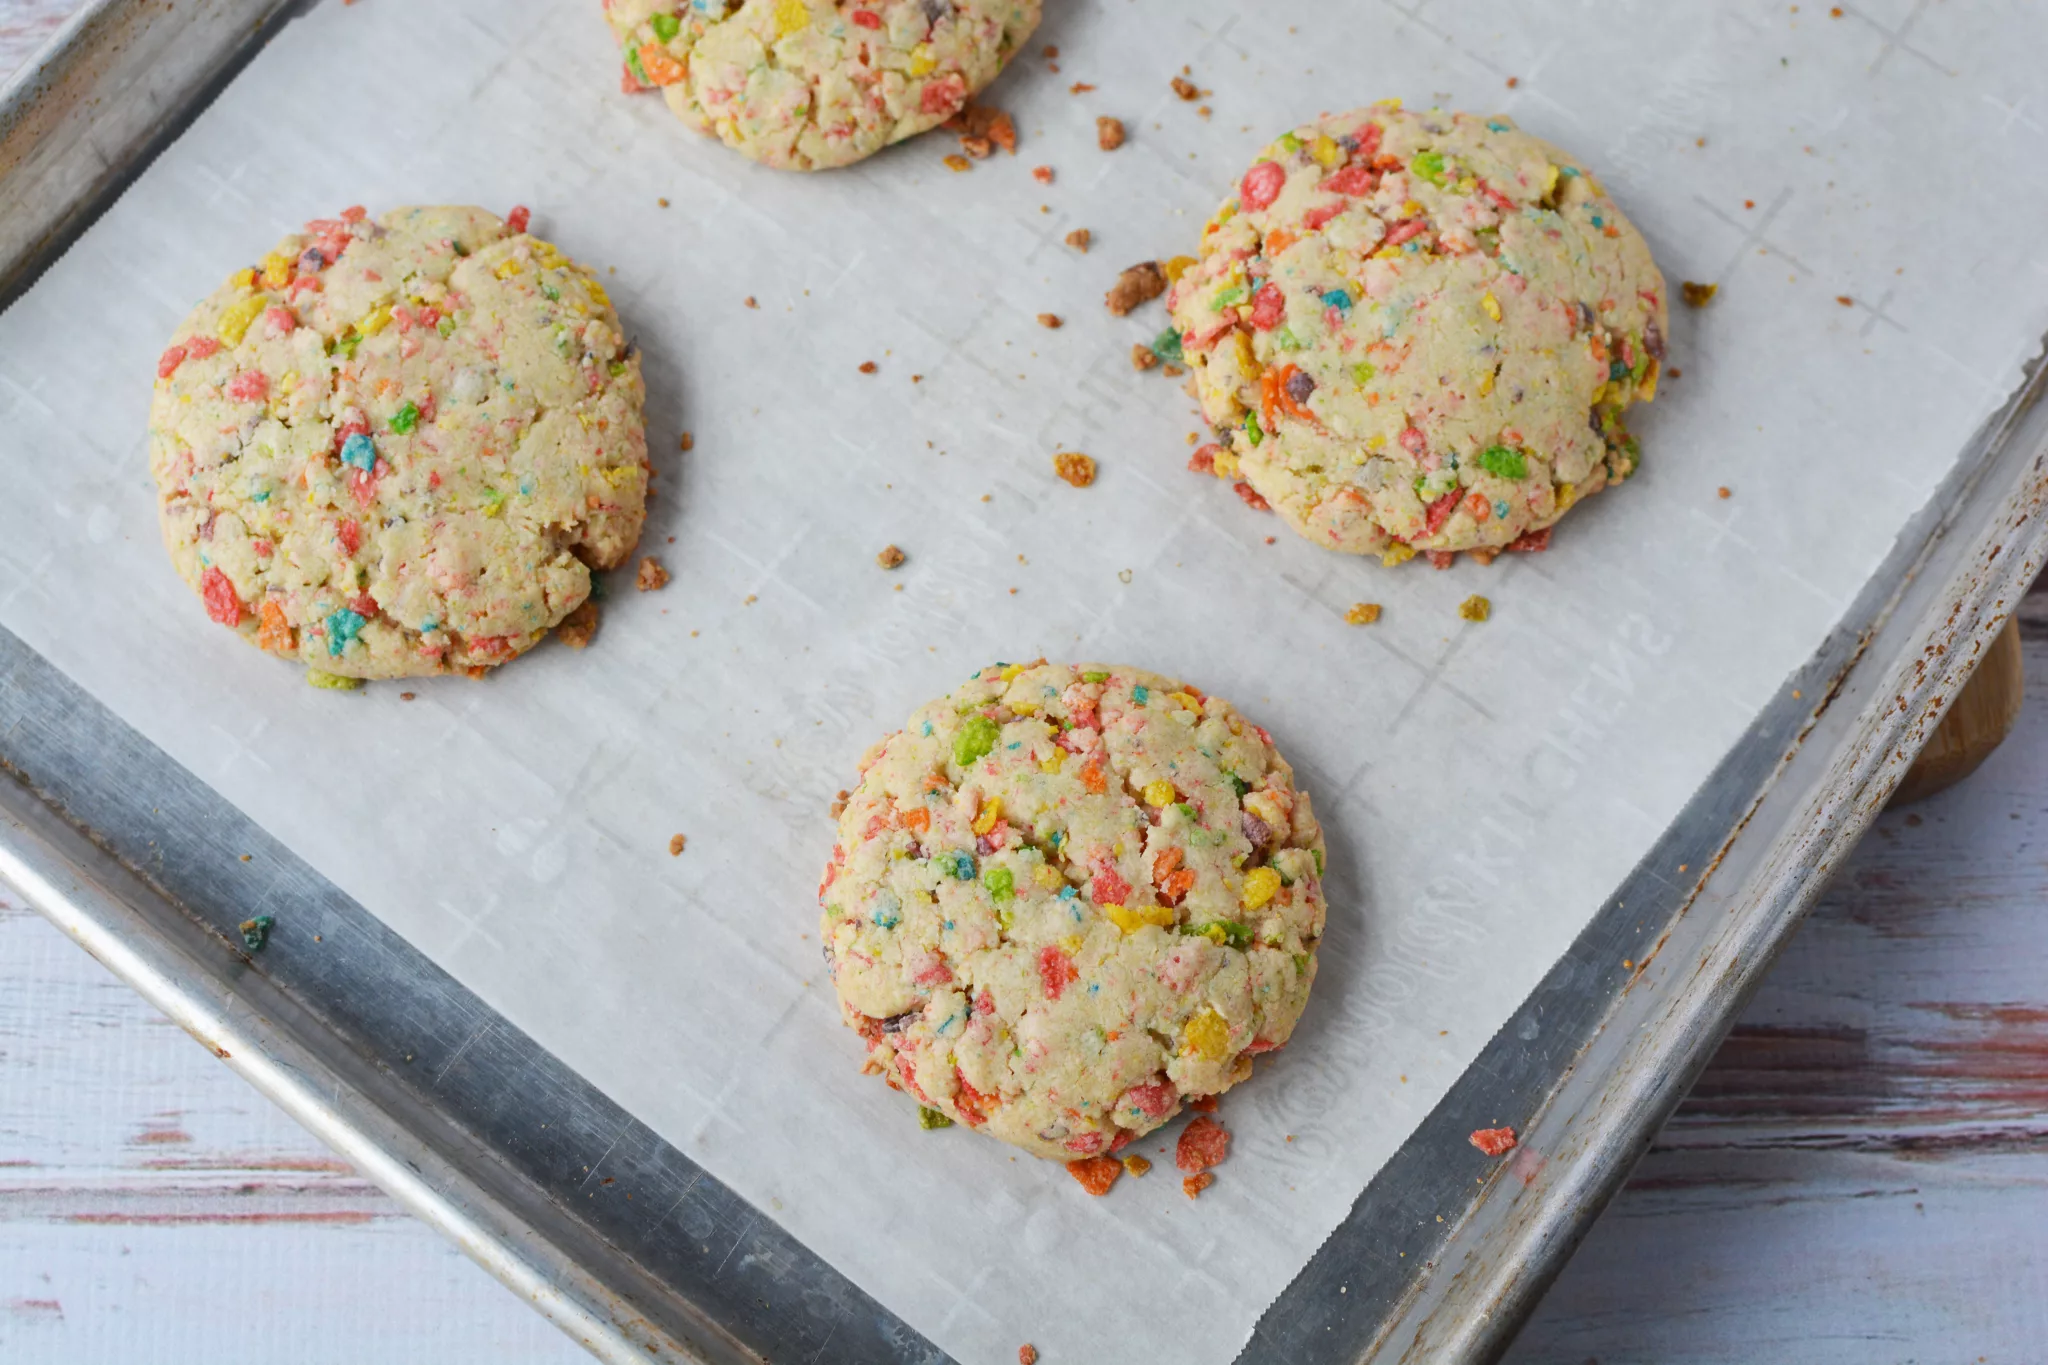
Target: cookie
<point>1419,332</point>
<point>1067,898</point>
<point>399,446</point>
<point>807,85</point>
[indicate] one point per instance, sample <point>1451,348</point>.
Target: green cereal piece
<point>1430,166</point>
<point>1364,371</point>
<point>1167,346</point>
<point>1000,882</point>
<point>256,932</point>
<point>1506,463</point>
<point>328,682</point>
<point>1252,429</point>
<point>1319,861</point>
<point>1094,676</point>
<point>974,740</point>
<point>931,1120</point>
<point>666,27</point>
<point>1289,143</point>
<point>405,419</point>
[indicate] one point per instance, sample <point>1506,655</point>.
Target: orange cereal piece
<point>1096,1173</point>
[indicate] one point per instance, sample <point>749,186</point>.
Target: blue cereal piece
<point>342,628</point>
<point>360,451</point>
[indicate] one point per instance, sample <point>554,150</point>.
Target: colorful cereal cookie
<point>399,446</point>
<point>1066,898</point>
<point>1418,332</point>
<point>807,85</point>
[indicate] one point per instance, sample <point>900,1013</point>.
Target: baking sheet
<point>1484,786</point>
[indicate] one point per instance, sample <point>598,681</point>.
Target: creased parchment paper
<point>1867,195</point>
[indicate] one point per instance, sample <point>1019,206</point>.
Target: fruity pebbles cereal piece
<point>399,446</point>
<point>1419,331</point>
<point>807,85</point>
<point>1067,899</point>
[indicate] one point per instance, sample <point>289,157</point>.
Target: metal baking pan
<point>482,1133</point>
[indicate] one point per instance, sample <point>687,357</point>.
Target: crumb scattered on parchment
<point>1140,283</point>
<point>651,575</point>
<point>1096,1173</point>
<point>1042,174</point>
<point>752,302</point>
<point>1136,1166</point>
<point>1079,239</point>
<point>689,442</point>
<point>1493,1141</point>
<point>1514,81</point>
<point>1051,52</point>
<point>407,696</point>
<point>1076,468</point>
<point>675,845</point>
<point>1845,300</point>
<point>662,202</point>
<point>957,162</point>
<point>983,129</point>
<point>1049,320</point>
<point>1193,1185</point>
<point>890,557</point>
<point>1474,608</point>
<point>1079,88</point>
<point>868,367</point>
<point>1698,295</point>
<point>1723,492</point>
<point>1203,1143</point>
<point>1203,111</point>
<point>1142,356</point>
<point>579,626</point>
<point>1749,203</point>
<point>1027,1354</point>
<point>1202,1104</point>
<point>1362,614</point>
<point>1186,89</point>
<point>1109,133</point>
<point>838,806</point>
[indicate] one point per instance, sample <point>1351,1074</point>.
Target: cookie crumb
<point>982,129</point>
<point>662,202</point>
<point>917,379</point>
<point>676,843</point>
<point>1186,89</point>
<point>1027,1354</point>
<point>1142,357</point>
<point>1514,81</point>
<point>1474,608</point>
<point>1202,1104</point>
<point>1042,174</point>
<point>1173,371</point>
<point>1079,239</point>
<point>1135,1166</point>
<point>1193,1185</point>
<point>651,575</point>
<point>579,626</point>
<point>890,557</point>
<point>1079,88</point>
<point>1096,1173</point>
<point>1845,301</point>
<point>1203,1143</point>
<point>1109,133</point>
<point>1723,492</point>
<point>1138,284</point>
<point>1050,321</point>
<point>689,442</point>
<point>1493,1141</point>
<point>957,162</point>
<point>1051,52</point>
<point>1835,12</point>
<point>1698,295</point>
<point>1203,111</point>
<point>1076,468</point>
<point>1749,203</point>
<point>1362,614</point>
<point>838,806</point>
<point>751,302</point>
<point>868,367</point>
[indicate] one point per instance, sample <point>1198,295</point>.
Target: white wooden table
<point>1861,1177</point>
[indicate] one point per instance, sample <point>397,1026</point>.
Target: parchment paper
<point>1866,193</point>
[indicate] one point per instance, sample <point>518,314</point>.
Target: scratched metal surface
<point>1449,1290</point>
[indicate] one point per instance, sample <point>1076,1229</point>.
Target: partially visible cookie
<point>399,446</point>
<point>1419,332</point>
<point>811,84</point>
<point>1066,898</point>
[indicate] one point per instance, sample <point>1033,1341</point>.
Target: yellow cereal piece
<point>1241,352</point>
<point>1490,304</point>
<point>990,814</point>
<point>1326,151</point>
<point>1474,608</point>
<point>1567,494</point>
<point>1391,102</point>
<point>1048,876</point>
<point>1053,762</point>
<point>245,278</point>
<point>1188,700</point>
<point>1227,466</point>
<point>1549,179</point>
<point>1411,209</point>
<point>1398,553</point>
<point>277,270</point>
<point>1486,383</point>
<point>1261,884</point>
<point>1362,614</point>
<point>1207,1036</point>
<point>1177,267</point>
<point>1646,387</point>
<point>1132,918</point>
<point>548,256</point>
<point>1024,708</point>
<point>1135,1165</point>
<point>1215,933</point>
<point>1159,793</point>
<point>922,62</point>
<point>1072,943</point>
<point>508,267</point>
<point>1012,672</point>
<point>374,321</point>
<point>236,317</point>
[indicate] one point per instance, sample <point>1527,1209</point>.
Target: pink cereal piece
<point>354,213</point>
<point>1154,1099</point>
<point>943,96</point>
<point>250,386</point>
<point>1403,231</point>
<point>1056,970</point>
<point>279,320</point>
<point>167,364</point>
<point>867,18</point>
<point>199,348</point>
<point>1493,1141</point>
<point>518,218</point>
<point>1261,185</point>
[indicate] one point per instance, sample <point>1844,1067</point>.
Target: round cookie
<point>1066,898</point>
<point>399,446</point>
<point>811,84</point>
<point>1419,331</point>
